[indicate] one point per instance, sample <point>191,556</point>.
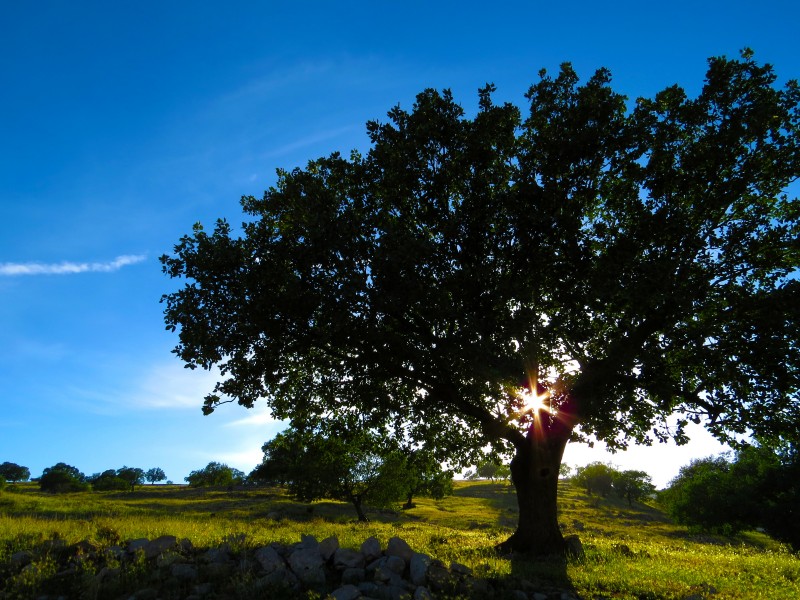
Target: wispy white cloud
<point>169,385</point>
<point>257,419</point>
<point>69,268</point>
<point>164,385</point>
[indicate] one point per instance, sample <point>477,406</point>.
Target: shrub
<point>703,495</point>
<point>14,472</point>
<point>215,474</point>
<point>104,484</point>
<point>60,482</point>
<point>595,478</point>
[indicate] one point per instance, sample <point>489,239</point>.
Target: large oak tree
<point>624,261</point>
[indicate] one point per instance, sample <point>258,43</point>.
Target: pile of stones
<point>166,567</point>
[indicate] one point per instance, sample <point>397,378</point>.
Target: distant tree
<point>564,471</point>
<point>108,480</point>
<point>62,478</point>
<point>154,475</point>
<point>489,468</point>
<point>703,495</point>
<point>13,472</point>
<point>638,259</point>
<point>425,477</point>
<point>632,485</point>
<point>133,475</point>
<point>2,482</point>
<point>72,471</point>
<point>215,474</point>
<point>595,478</point>
<point>359,468</point>
<point>758,487</point>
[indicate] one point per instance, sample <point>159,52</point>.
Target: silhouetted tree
<point>633,485</point>
<point>760,487</point>
<point>361,468</point>
<point>62,478</point>
<point>425,477</point>
<point>13,472</point>
<point>108,480</point>
<point>133,475</point>
<point>595,478</point>
<point>704,495</point>
<point>154,475</point>
<point>634,260</point>
<point>215,474</point>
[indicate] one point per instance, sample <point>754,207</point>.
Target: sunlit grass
<point>631,552</point>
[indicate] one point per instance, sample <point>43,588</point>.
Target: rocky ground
<point>168,568</point>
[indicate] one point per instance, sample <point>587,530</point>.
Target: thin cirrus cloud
<point>69,268</point>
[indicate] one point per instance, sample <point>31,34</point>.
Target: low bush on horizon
<point>631,552</point>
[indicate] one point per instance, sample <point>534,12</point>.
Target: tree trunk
<point>409,504</point>
<point>358,504</point>
<point>534,473</point>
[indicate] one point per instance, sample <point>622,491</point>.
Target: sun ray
<point>533,401</point>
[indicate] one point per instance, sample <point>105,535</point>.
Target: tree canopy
<point>360,467</point>
<point>13,472</point>
<point>758,487</point>
<point>621,261</point>
<point>132,475</point>
<point>62,478</point>
<point>155,475</point>
<point>215,474</point>
<point>108,480</point>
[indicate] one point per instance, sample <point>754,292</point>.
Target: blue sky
<point>123,123</point>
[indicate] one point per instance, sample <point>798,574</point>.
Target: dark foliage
<point>13,472</point>
<point>62,478</point>
<point>363,468</point>
<point>633,261</point>
<point>215,474</point>
<point>760,487</point>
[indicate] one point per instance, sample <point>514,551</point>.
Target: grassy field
<point>631,552</point>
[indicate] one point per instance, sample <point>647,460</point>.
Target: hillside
<point>630,552</point>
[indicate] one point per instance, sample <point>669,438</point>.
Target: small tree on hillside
<point>704,496</point>
<point>489,468</point>
<point>362,468</point>
<point>107,481</point>
<point>14,473</point>
<point>632,485</point>
<point>73,472</point>
<point>154,475</point>
<point>133,475</point>
<point>62,478</point>
<point>215,474</point>
<point>759,487</point>
<point>595,478</point>
<point>425,477</point>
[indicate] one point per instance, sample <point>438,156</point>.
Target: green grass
<point>631,552</point>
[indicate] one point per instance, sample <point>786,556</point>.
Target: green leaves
<point>359,466</point>
<point>638,261</point>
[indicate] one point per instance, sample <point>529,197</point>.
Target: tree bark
<point>358,504</point>
<point>534,473</point>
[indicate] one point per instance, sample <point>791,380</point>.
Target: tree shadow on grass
<point>539,575</point>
